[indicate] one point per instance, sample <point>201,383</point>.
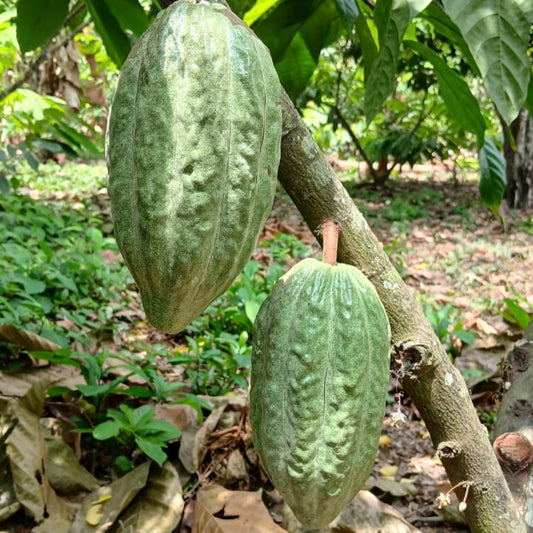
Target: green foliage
<point>497,34</point>
<point>216,364</point>
<point>138,426</point>
<point>493,176</point>
<point>53,267</point>
<point>235,310</point>
<point>115,39</point>
<point>515,312</point>
<point>296,32</point>
<point>34,30</point>
<point>462,106</point>
<point>391,19</point>
<point>448,328</point>
<point>50,124</point>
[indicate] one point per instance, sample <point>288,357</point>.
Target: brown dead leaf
<point>26,339</point>
<point>485,328</point>
<point>223,511</point>
<point>193,438</point>
<point>179,415</point>
<point>477,365</point>
<point>366,514</point>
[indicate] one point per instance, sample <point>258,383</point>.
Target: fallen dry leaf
<point>223,511</point>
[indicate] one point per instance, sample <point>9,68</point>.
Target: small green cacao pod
<point>193,149</point>
<point>320,373</point>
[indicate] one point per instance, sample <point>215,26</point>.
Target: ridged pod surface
<point>320,373</point>
<point>193,148</point>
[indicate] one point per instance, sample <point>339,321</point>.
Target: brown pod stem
<point>330,242</point>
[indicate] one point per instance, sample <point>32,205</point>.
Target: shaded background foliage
<point>380,60</point>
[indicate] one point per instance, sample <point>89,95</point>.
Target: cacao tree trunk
<point>519,192</point>
<point>423,367</point>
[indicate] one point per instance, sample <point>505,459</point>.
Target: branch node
<point>448,449</point>
<point>409,357</point>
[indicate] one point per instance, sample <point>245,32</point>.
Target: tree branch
<point>424,369</point>
<point>346,125</point>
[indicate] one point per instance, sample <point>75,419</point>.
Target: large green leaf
<point>348,11</point>
<point>493,175</point>
<point>296,31</point>
<point>115,40</point>
<point>240,7</point>
<point>497,32</point>
<point>444,25</point>
<point>257,11</point>
<point>38,21</point>
<point>461,104</point>
<point>366,40</point>
<point>130,15</point>
<point>392,18</point>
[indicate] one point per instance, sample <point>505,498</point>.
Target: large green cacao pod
<point>193,148</point>
<point>320,372</point>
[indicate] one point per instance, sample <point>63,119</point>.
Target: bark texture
<point>425,371</point>
<point>519,192</point>
<point>514,427</point>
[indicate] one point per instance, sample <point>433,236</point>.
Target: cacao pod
<point>193,148</point>
<point>320,373</point>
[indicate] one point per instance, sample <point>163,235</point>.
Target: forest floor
<point>462,267</point>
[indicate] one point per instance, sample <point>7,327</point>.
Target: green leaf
<point>520,315</point>
<point>162,429</point>
<point>444,25</point>
<point>151,449</point>
<point>296,31</point>
<point>142,416</point>
<point>497,33</point>
<point>392,18</point>
<point>462,105</point>
<point>348,11</point>
<point>251,308</point>
<point>31,286</point>
<point>106,430</point>
<point>130,15</point>
<point>493,175</point>
<point>137,391</point>
<point>93,390</point>
<point>115,40</point>
<point>465,336</point>
<point>367,42</point>
<point>258,10</point>
<point>240,7</point>
<point>38,21</point>
<point>5,188</point>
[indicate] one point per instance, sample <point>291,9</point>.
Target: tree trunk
<point>422,365</point>
<point>519,193</point>
<point>514,427</point>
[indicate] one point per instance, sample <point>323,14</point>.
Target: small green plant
<point>215,365</point>
<point>284,248</point>
<point>515,312</point>
<point>236,309</point>
<point>448,328</point>
<point>137,427</point>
